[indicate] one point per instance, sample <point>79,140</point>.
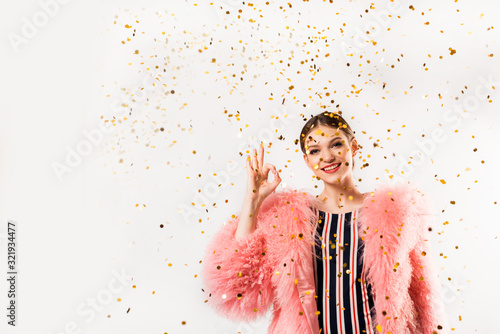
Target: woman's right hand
<point>258,188</point>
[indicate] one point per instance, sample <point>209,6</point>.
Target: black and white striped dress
<point>344,299</point>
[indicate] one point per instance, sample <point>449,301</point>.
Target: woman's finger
<point>265,171</point>
<point>277,178</point>
<point>249,166</point>
<point>261,154</point>
<point>255,165</point>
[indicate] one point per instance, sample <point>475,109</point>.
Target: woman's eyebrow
<point>309,146</point>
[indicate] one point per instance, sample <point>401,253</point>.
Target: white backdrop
<point>125,128</point>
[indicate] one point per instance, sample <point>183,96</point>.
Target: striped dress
<point>344,299</point>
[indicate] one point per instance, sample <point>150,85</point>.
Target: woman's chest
<point>338,243</point>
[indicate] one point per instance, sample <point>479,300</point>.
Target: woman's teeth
<point>332,167</point>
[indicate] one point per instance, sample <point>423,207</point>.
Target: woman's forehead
<point>318,133</point>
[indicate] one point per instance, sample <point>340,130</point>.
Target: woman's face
<point>327,146</point>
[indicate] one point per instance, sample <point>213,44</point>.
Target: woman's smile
<point>332,168</point>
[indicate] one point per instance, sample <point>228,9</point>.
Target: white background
<point>88,212</point>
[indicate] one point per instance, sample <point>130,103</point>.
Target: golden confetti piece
<point>128,26</point>
<point>442,181</point>
<point>452,202</point>
<point>452,51</point>
<point>379,328</point>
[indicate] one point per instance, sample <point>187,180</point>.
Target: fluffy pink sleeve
<point>237,273</point>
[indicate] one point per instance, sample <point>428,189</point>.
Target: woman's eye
<point>337,144</point>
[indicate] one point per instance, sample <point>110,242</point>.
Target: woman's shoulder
<point>399,206</point>
<point>397,196</point>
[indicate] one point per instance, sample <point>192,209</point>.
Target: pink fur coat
<point>273,266</point>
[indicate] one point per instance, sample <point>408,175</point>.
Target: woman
<point>341,262</point>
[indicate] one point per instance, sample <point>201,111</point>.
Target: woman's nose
<point>328,157</point>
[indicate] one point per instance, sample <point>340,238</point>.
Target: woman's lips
<point>333,170</point>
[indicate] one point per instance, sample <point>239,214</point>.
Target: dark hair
<point>334,120</point>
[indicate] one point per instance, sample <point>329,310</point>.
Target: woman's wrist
<point>248,217</point>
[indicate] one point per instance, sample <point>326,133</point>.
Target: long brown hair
<point>326,118</point>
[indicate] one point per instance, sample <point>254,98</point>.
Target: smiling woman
<point>329,148</point>
<point>341,262</point>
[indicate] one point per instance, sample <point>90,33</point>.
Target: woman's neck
<point>340,198</point>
